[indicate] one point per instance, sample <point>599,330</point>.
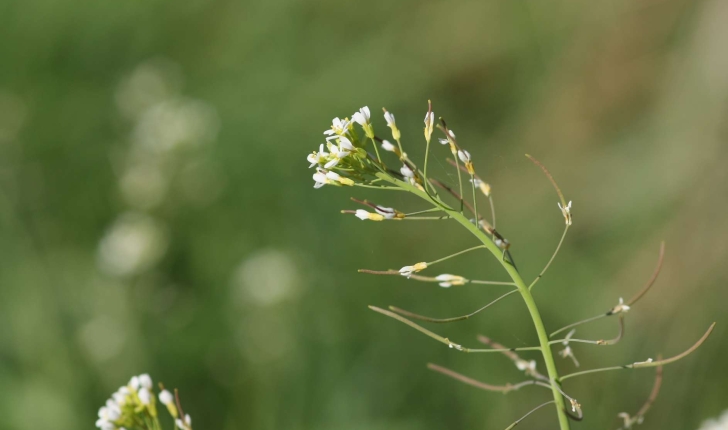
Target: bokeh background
<point>157,213</point>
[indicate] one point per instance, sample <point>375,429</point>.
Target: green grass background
<point>254,309</point>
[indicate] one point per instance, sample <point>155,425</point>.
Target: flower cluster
<point>341,151</point>
<point>134,406</point>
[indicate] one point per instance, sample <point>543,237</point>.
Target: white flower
<point>134,382</point>
<point>443,141</point>
<point>566,211</point>
<point>719,423</point>
<point>345,145</point>
<point>320,178</point>
<point>526,366</point>
<point>502,243</point>
<point>184,425</point>
<point>339,127</point>
<point>429,124</point>
<point>362,117</point>
<point>387,146</point>
<point>621,307</point>
<point>409,270</point>
<point>451,133</point>
<point>389,117</point>
<point>333,176</point>
<point>332,163</point>
<point>447,280</point>
<point>455,346</point>
<point>119,398</point>
<point>112,411</point>
<point>145,396</point>
<point>484,186</point>
<point>319,157</point>
<point>464,156</point>
<point>165,397</point>
<point>146,381</point>
<point>387,213</point>
<point>407,172</point>
<point>105,425</point>
<point>364,215</point>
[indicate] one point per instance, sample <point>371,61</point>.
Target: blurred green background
<point>157,214</point>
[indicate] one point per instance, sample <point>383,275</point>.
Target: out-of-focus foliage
<point>157,215</point>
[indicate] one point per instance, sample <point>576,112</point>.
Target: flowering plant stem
<point>517,280</point>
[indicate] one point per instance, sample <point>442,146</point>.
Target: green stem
<point>522,288</point>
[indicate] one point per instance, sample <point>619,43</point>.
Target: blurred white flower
<point>387,213</point>
<point>174,124</point>
<point>165,397</point>
<point>387,146</point>
<point>134,243</point>
<point>103,337</point>
<point>409,270</point>
<point>146,381</point>
<point>143,184</point>
<point>566,211</point>
<point>364,215</point>
<point>720,423</point>
<point>150,83</point>
<point>464,155</point>
<point>145,396</point>
<point>447,280</point>
<point>407,172</point>
<point>266,278</point>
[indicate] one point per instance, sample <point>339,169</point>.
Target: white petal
<point>464,155</point>
<point>165,397</point>
<point>362,214</point>
<point>345,143</point>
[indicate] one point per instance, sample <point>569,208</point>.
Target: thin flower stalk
<point>647,363</point>
<point>445,340</point>
<point>449,320</point>
<point>622,306</point>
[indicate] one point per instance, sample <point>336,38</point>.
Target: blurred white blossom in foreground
<point>132,244</point>
<point>720,423</point>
